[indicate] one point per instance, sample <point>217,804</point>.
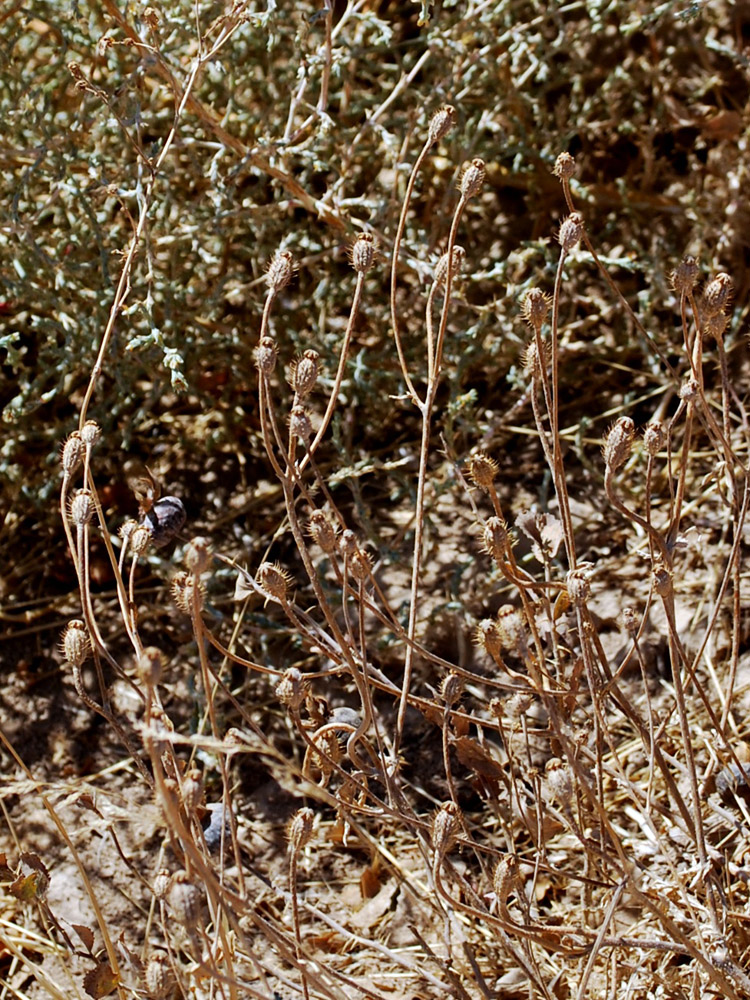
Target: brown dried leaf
<point>472,755</point>
<point>100,981</point>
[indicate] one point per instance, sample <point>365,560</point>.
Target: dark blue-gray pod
<point>165,519</point>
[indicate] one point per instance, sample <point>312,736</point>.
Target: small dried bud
<point>299,423</point>
<point>445,827</point>
<point>165,519</point>
<point>559,781</point>
<point>265,355</point>
<point>322,531</point>
<point>192,790</point>
<point>162,882</point>
<point>75,643</point>
<point>90,433</point>
<point>363,252</point>
<point>185,899</point>
<point>360,565</point>
<point>300,829</point>
<point>565,167</point>
<point>487,635</point>
<point>198,555</point>
<point>517,706</point>
<point>504,879</point>
<point>685,275</point>
<point>292,689</point>
<point>303,373</point>
<point>441,123</point>
<point>571,231</point>
<point>535,308</point>
<point>714,326</point>
<point>630,621</point>
<point>495,538</point>
<point>82,508</point>
<point>662,578</point>
<point>578,586</point>
<point>619,443</point>
<point>187,592</point>
<point>689,390</point>
<point>127,528</point>
<point>452,688</point>
<point>512,629</point>
<point>472,178</point>
<point>149,666</point>
<point>72,454</point>
<point>280,271</point>
<point>160,979</point>
<point>717,295</point>
<point>654,437</point>
<point>140,539</point>
<point>441,268</point>
<point>274,581</point>
<point>482,471</point>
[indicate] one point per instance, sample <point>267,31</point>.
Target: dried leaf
<point>100,981</point>
<point>472,755</point>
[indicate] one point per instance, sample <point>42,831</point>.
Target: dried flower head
<point>72,454</point>
<point>565,167</point>
<point>559,781</point>
<point>75,643</point>
<point>482,471</point>
<point>495,538</point>
<point>185,900</point>
<point>714,326</point>
<point>299,423</point>
<point>280,271</point>
<point>266,354</point>
<point>274,581</point>
<point>160,978</point>
<point>149,666</point>
<point>654,437</point>
<point>452,688</point>
<point>323,531</point>
<point>504,879</point>
<point>187,592</point>
<point>618,443</point>
<point>512,628</point>
<point>571,231</point>
<point>535,307</point>
<point>630,621</point>
<point>198,555</point>
<point>90,433</point>
<point>140,539</point>
<point>578,585</point>
<point>362,252</point>
<point>441,123</point>
<point>441,268</point>
<point>487,635</point>
<point>303,373</point>
<point>300,829</point>
<point>717,295</point>
<point>292,689</point>
<point>445,826</point>
<point>472,177</point>
<point>82,508</point>
<point>685,275</point>
<point>192,790</point>
<point>689,390</point>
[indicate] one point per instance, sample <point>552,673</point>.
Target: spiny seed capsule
<point>630,621</point>
<point>192,790</point>
<point>689,390</point>
<point>187,592</point>
<point>441,123</point>
<point>303,373</point>
<point>149,666</point>
<point>82,508</point>
<point>654,437</point>
<point>571,231</point>
<point>717,294</point>
<point>90,433</point>
<point>559,781</point>
<point>535,308</point>
<point>441,268</point>
<point>511,628</point>
<point>472,177</point>
<point>482,471</point>
<point>300,829</point>
<point>360,565</point>
<point>495,538</point>
<point>685,275</point>
<point>322,531</point>
<point>280,270</point>
<point>160,979</point>
<point>292,689</point>
<point>487,635</point>
<point>72,453</point>
<point>185,898</point>
<point>140,539</point>
<point>165,519</point>
<point>75,643</point>
<point>162,881</point>
<point>452,688</point>
<point>127,528</point>
<point>504,878</point>
<point>265,355</point>
<point>714,326</point>
<point>274,581</point>
<point>565,167</point>
<point>578,586</point>
<point>445,827</point>
<point>198,555</point>
<point>363,252</point>
<point>619,443</point>
<point>299,423</point>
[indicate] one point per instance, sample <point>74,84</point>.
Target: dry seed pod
<point>717,295</point>
<point>82,508</point>
<point>535,307</point>
<point>445,827</point>
<point>149,666</point>
<point>441,123</point>
<point>654,437</point>
<point>452,688</point>
<point>363,252</point>
<point>441,269</point>
<point>299,423</point>
<point>274,581</point>
<point>165,519</point>
<point>300,829</point>
<point>559,782</point>
<point>512,629</point>
<point>685,275</point>
<point>187,592</point>
<point>487,635</point>
<point>198,555</point>
<point>565,166</point>
<point>473,177</point>
<point>75,643</point>
<point>495,538</point>
<point>280,270</point>
<point>482,471</point>
<point>266,354</point>
<point>571,231</point>
<point>185,899</point>
<point>689,390</point>
<point>504,879</point>
<point>619,443</point>
<point>90,433</point>
<point>292,689</point>
<point>140,539</point>
<point>662,578</point>
<point>714,326</point>
<point>578,586</point>
<point>160,979</point>
<point>630,621</point>
<point>323,531</point>
<point>192,790</point>
<point>303,373</point>
<point>72,453</point>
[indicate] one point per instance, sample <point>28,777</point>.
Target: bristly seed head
<point>75,643</point>
<point>292,689</point>
<point>565,167</point>
<point>363,252</point>
<point>619,443</point>
<point>82,508</point>
<point>654,437</point>
<point>452,688</point>
<point>300,829</point>
<point>323,531</point>
<point>578,586</point>
<point>717,295</point>
<point>274,581</point>
<point>535,307</point>
<point>90,433</point>
<point>487,635</point>
<point>685,275</point>
<point>140,539</point>
<point>571,231</point>
<point>714,326</point>
<point>495,538</point>
<point>198,555</point>
<point>265,355</point>
<point>72,454</point>
<point>472,177</point>
<point>185,900</point>
<point>441,123</point>
<point>441,268</point>
<point>149,666</point>
<point>186,591</point>
<point>445,827</point>
<point>280,270</point>
<point>689,390</point>
<point>303,373</point>
<point>482,471</point>
<point>299,423</point>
